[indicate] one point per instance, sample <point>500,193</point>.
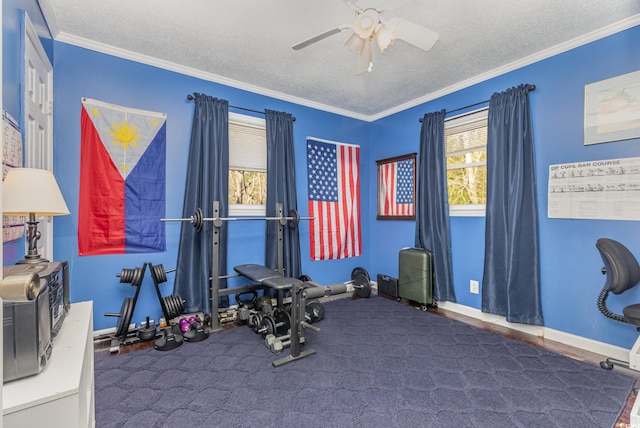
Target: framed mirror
<point>397,188</point>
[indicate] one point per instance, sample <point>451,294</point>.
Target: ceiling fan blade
<point>314,39</point>
<point>412,33</point>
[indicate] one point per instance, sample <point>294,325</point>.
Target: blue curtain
<point>511,280</point>
<point>432,204</point>
<point>281,188</point>
<point>207,181</point>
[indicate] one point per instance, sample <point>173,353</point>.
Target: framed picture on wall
<point>612,109</point>
<point>397,188</point>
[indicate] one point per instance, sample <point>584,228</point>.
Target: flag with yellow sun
<point>122,180</point>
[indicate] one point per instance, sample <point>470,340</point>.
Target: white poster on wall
<point>602,189</point>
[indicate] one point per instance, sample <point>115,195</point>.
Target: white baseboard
<point>579,342</point>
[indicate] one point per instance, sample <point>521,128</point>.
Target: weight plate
<point>176,305</point>
<point>362,285</point>
<point>120,324</point>
<point>198,219</point>
<point>359,271</point>
<point>147,333</point>
<point>167,306</point>
<point>315,309</point>
<point>180,301</point>
<point>282,321</point>
<point>159,274</point>
<point>126,275</point>
<point>255,320</point>
<point>171,308</point>
<point>294,219</point>
<point>125,318</point>
<point>165,309</point>
<point>174,309</point>
<point>267,325</point>
<point>138,275</point>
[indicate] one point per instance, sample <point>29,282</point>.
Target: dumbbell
<point>192,329</point>
<point>187,324</point>
<point>277,323</point>
<point>278,343</point>
<point>255,318</point>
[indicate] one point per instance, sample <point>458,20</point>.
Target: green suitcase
<point>415,281</point>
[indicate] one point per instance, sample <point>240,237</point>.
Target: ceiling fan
<point>370,25</point>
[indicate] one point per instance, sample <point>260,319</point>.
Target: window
<point>247,165</point>
<point>466,154</point>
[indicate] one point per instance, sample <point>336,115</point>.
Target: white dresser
<point>62,395</point>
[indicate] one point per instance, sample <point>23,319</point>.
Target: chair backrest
<point>623,271</point>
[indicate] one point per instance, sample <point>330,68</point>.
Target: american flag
<point>333,177</point>
<point>396,188</point>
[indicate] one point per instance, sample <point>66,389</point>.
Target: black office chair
<point>623,273</point>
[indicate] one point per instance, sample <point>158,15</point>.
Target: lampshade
<point>366,22</point>
<point>385,37</point>
<point>30,190</point>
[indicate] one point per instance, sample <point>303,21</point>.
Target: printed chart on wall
<point>12,226</point>
<point>604,190</point>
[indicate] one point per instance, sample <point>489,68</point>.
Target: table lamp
<point>31,192</point>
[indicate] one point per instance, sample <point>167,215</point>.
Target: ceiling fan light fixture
<point>366,23</point>
<point>385,37</point>
<point>355,44</point>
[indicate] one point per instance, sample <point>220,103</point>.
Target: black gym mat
<point>378,364</point>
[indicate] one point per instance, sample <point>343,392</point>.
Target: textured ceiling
<point>247,43</point>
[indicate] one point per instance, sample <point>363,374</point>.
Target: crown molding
<point>531,59</point>
<point>211,77</point>
<point>167,65</point>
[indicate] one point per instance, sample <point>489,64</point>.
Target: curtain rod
<point>530,88</point>
<point>190,97</point>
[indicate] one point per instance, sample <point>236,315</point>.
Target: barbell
<point>198,219</point>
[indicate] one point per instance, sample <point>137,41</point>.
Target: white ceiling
<point>247,43</point>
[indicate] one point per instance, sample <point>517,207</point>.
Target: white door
<point>38,121</point>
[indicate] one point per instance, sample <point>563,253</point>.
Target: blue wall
<point>570,263</point>
<point>83,73</point>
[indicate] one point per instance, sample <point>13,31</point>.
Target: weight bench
<point>269,278</point>
<point>277,281</point>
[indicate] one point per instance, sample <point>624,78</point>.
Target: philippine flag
<point>122,180</point>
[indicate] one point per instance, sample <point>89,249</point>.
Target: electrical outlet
<point>474,287</point>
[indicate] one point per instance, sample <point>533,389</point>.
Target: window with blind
<point>247,165</point>
<point>466,154</point>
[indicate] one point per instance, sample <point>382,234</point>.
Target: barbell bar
<point>198,219</point>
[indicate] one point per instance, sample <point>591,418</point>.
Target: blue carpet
<point>378,364</point>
